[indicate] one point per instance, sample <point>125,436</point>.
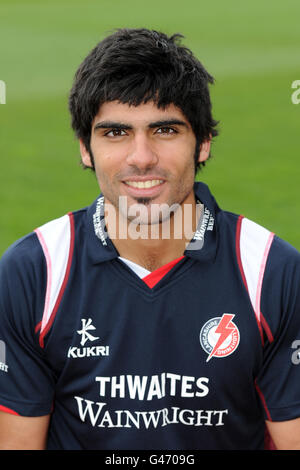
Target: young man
<point>151,319</point>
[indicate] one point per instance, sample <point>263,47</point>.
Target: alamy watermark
<point>3,365</point>
<point>156,221</point>
<point>2,92</point>
<point>296,94</point>
<point>296,354</point>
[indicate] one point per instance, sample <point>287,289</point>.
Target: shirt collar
<point>99,245</point>
<point>202,247</point>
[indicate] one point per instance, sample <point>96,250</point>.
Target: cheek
<point>106,173</point>
<point>105,164</point>
<point>184,161</point>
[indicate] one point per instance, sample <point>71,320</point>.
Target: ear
<point>204,150</point>
<point>85,155</point>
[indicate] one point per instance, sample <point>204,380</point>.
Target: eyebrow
<point>167,122</point>
<point>152,125</point>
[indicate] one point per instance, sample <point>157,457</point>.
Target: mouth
<point>144,188</point>
<point>144,184</point>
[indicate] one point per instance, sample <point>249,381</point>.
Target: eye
<point>166,131</point>
<point>115,133</point>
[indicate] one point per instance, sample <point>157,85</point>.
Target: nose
<point>141,154</point>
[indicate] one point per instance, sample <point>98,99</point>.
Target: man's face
<point>144,153</point>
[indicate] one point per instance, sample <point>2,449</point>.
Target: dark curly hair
<point>135,66</point>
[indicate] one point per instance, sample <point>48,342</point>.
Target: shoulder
<point>282,273</point>
<point>262,252</point>
<point>22,281</point>
<point>33,266</point>
<point>29,248</point>
<point>61,227</point>
<point>283,253</point>
<point>29,256</point>
<point>22,256</point>
<point>253,237</point>
<point>283,269</point>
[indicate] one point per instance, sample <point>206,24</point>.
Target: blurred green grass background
<point>252,50</point>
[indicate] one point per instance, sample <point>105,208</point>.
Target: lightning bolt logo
<point>224,329</point>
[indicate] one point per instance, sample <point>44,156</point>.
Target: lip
<point>143,192</point>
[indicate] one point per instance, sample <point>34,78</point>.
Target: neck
<point>155,245</point>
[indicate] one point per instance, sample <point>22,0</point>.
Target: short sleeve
<point>278,381</point>
<point>26,380</point>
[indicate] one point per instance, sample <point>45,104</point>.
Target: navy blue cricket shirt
<point>197,358</point>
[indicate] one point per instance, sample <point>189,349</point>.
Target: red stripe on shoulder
<point>65,281</point>
<point>240,264</point>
